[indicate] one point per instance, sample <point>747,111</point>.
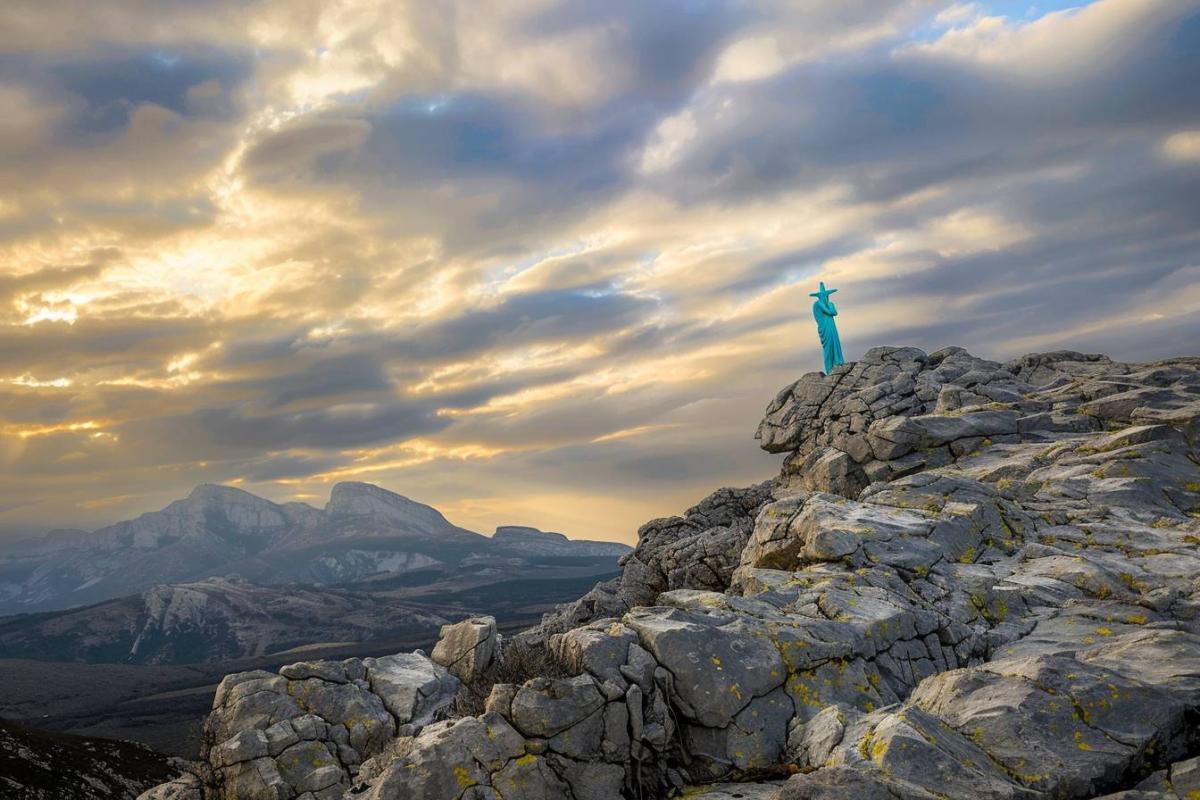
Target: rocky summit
<point>969,580</point>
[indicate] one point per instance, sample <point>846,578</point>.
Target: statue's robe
<point>824,311</point>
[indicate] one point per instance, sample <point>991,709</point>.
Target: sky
<point>546,261</point>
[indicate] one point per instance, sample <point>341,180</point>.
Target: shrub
<point>519,662</point>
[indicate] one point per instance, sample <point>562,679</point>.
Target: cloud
<point>547,261</point>
<point>67,26</point>
<point>523,319</point>
<point>112,88</point>
<point>1059,48</point>
<point>340,425</point>
<point>293,152</point>
<point>1182,146</point>
<point>51,278</point>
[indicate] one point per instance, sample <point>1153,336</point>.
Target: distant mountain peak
<point>354,498</point>
<point>532,540</point>
<point>525,532</point>
<point>354,488</point>
<point>220,493</point>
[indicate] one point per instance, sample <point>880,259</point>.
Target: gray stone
<point>414,688</point>
<point>699,550</point>
<point>448,758</point>
<point>758,736</point>
<point>280,736</point>
<point>244,746</point>
<point>815,740</point>
<point>827,470</point>
<point>185,787</point>
<point>601,648</point>
<point>310,767</point>
<point>468,648</point>
<point>529,777</point>
<point>548,706</point>
<point>733,791</point>
<point>501,697</point>
<point>718,666</point>
<point>593,780</point>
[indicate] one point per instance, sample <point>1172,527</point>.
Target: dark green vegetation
<point>40,765</point>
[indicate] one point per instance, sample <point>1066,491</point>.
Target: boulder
<point>826,470</point>
<point>450,758</point>
<point>468,648</point>
<point>185,787</point>
<point>545,707</point>
<point>698,550</point>
<point>718,663</point>
<point>310,727</point>
<point>415,689</point>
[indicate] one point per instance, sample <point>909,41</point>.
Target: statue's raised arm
<point>824,311</point>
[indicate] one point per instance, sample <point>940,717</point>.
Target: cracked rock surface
<point>306,731</point>
<point>468,648</point>
<point>970,580</point>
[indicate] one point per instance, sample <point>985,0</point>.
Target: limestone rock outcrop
<point>306,730</point>
<point>970,580</point>
<point>698,550</point>
<point>468,648</point>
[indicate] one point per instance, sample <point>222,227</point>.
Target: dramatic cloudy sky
<point>546,261</point>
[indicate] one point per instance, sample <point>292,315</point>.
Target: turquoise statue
<point>824,311</point>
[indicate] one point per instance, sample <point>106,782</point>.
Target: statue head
<point>823,294</point>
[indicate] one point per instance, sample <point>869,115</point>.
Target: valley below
<point>373,574</point>
<point>162,705</point>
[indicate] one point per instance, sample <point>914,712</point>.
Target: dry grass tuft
<point>520,662</point>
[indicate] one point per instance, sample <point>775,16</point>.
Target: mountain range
<point>364,534</point>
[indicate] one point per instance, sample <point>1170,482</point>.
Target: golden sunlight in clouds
<point>1183,146</point>
<point>45,430</point>
<point>544,263</point>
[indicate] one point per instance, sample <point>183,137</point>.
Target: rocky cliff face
<point>970,580</point>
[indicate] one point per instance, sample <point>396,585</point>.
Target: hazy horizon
<point>770,464</point>
<point>318,503</point>
<point>546,262</point>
